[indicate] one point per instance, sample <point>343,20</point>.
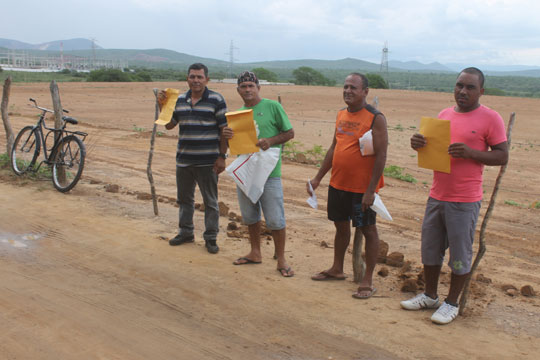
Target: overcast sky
<point>472,32</point>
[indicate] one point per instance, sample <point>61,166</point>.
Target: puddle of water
<point>18,240</point>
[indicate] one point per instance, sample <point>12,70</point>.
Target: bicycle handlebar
<point>44,109</point>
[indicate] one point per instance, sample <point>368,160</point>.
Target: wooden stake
<point>481,242</point>
<point>57,106</point>
<point>150,156</point>
<point>5,115</point>
<point>359,265</point>
<point>58,122</point>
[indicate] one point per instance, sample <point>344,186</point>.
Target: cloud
<point>460,30</point>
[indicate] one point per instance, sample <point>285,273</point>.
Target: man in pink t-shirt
<point>477,138</point>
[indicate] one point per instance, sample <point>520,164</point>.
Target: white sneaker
<point>420,301</point>
<point>445,314</point>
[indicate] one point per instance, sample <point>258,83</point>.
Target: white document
<point>250,171</point>
<point>366,144</point>
<point>380,209</point>
<point>312,200</point>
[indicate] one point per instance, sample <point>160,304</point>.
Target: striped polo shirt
<point>198,138</point>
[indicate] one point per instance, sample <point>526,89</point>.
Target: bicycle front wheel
<point>68,163</point>
<point>25,150</point>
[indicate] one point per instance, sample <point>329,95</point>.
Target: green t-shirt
<point>271,120</point>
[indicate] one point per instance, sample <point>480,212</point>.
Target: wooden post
<point>5,115</point>
<point>151,155</point>
<point>58,121</point>
<point>481,242</point>
<point>375,102</point>
<point>57,106</point>
<point>359,265</point>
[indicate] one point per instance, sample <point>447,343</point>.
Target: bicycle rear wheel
<point>25,150</point>
<point>68,163</point>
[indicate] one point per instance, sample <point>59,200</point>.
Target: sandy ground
<point>90,275</point>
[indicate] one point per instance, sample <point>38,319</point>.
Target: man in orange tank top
<point>354,180</point>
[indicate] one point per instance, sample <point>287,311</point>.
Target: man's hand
<point>161,98</point>
<point>314,184</point>
<point>418,141</point>
<point>460,150</point>
<point>264,143</point>
<point>219,165</point>
<point>367,200</point>
<point>227,133</point>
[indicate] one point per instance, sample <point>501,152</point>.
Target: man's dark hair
<point>475,71</point>
<point>365,82</point>
<point>198,66</point>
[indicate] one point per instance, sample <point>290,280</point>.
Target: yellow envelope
<point>168,108</point>
<point>245,136</point>
<point>435,154</point>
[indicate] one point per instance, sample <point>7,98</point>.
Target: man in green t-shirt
<point>275,129</point>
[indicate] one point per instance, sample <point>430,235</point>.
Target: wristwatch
<point>222,155</point>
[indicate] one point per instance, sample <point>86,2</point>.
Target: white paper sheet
<point>312,200</point>
<point>366,144</point>
<point>380,209</point>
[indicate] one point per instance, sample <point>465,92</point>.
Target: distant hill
<point>418,66</point>
<point>69,45</point>
<point>169,59</point>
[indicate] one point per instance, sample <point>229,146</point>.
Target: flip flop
<point>324,276</point>
<point>372,290</point>
<point>245,261</point>
<point>286,272</point>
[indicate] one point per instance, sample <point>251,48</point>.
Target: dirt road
<point>90,275</point>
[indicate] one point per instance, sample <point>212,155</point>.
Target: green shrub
<point>396,172</point>
<point>305,75</point>
<point>512,203</point>
<point>376,81</point>
<point>109,75</point>
<point>265,74</point>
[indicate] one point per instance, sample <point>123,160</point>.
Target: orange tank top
<point>350,170</point>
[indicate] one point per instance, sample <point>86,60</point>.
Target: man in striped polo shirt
<point>200,155</point>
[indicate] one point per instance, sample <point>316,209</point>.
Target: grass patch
<point>293,150</point>
<point>512,203</point>
<point>396,172</point>
<point>138,129</point>
<point>42,173</point>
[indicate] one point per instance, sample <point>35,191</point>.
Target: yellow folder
<point>435,154</point>
<point>168,108</point>
<point>245,136</point>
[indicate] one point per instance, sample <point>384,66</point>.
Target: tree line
<point>519,86</point>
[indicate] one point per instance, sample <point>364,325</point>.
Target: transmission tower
<point>231,59</point>
<point>384,64</point>
<point>93,52</point>
<point>61,55</point>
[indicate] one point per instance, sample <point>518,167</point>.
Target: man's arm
<point>281,138</point>
<point>219,164</point>
<point>498,155</point>
<point>325,167</point>
<point>380,146</point>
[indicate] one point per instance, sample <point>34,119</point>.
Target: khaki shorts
<point>449,225</point>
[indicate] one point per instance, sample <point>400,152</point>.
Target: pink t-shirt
<point>479,129</point>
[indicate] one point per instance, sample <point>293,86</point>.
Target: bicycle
<point>66,157</point>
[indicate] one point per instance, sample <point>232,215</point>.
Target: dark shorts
<point>345,206</point>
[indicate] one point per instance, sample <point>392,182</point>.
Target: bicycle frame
<point>59,134</point>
